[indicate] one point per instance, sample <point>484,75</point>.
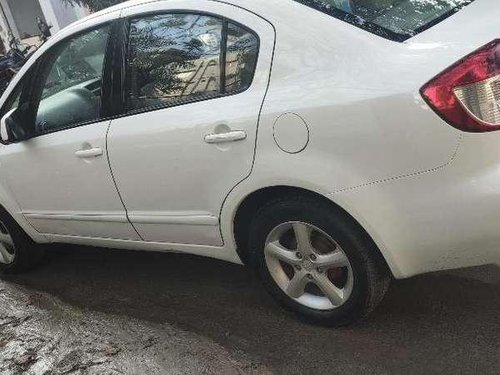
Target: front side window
<point>72,82</point>
<point>393,19</point>
<point>180,58</point>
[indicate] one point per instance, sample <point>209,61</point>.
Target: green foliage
<point>94,5</point>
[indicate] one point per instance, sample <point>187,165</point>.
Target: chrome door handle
<point>89,153</point>
<point>232,136</point>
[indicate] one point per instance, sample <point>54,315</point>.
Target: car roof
<point>253,5</point>
<point>114,8</point>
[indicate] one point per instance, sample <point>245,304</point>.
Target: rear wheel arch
<point>251,204</point>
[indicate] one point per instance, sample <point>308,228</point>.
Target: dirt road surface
<point>96,311</point>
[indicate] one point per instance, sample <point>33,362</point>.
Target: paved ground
<point>99,311</point>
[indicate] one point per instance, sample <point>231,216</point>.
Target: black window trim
<point>121,109</point>
<point>375,28</point>
<point>112,75</point>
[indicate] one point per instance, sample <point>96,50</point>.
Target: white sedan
<point>332,145</point>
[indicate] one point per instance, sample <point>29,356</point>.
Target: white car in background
<point>331,145</point>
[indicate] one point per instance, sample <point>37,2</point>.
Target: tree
<point>94,5</point>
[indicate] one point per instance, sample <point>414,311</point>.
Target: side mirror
<point>10,129</point>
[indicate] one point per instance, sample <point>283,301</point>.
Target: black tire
<point>27,254</point>
<point>371,274</point>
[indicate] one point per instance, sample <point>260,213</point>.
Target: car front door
<point>60,177</point>
<point>195,81</point>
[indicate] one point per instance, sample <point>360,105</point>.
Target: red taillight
<point>467,95</point>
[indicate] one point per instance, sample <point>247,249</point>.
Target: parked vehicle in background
<point>44,29</point>
<point>18,54</point>
<point>331,146</point>
<point>12,62</point>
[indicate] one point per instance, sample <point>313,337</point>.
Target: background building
<point>19,16</point>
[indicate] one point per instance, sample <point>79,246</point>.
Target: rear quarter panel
<point>369,127</point>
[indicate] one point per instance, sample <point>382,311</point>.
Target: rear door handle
<point>89,153</point>
<point>232,136</point>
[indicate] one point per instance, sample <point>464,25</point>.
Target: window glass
<point>72,82</point>
<point>241,58</point>
<point>173,58</point>
<point>393,19</point>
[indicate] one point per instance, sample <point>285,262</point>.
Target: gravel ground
<point>96,311</point>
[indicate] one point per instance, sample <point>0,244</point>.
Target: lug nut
<point>320,270</point>
<point>313,257</point>
<point>299,255</point>
<point>298,268</point>
<point>309,276</point>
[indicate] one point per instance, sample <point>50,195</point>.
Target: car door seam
<point>259,114</point>
<point>116,185</point>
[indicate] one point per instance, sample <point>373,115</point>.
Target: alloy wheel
<point>309,266</point>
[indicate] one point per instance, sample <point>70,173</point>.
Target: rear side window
<point>397,20</point>
<point>180,58</point>
<point>241,57</point>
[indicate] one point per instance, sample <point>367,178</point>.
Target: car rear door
<point>191,107</point>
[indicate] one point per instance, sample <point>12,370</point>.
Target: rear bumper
<point>441,219</point>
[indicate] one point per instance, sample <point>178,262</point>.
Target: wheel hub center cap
<point>308,265</point>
